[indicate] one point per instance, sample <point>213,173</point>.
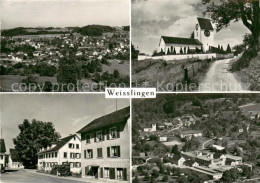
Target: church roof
<point>180,40</point>
<point>205,23</point>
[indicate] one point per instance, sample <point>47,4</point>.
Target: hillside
<point>250,75</point>
<point>159,71</point>
<point>94,30</point>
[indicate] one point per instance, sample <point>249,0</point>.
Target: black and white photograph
<point>64,45</point>
<point>64,138</point>
<point>196,138</point>
<point>196,45</point>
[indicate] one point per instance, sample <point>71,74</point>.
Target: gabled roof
<point>205,23</point>
<point>2,146</point>
<point>180,40</point>
<point>60,143</point>
<point>14,155</point>
<point>111,119</point>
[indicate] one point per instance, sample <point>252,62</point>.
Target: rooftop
<point>180,40</point>
<point>111,119</point>
<point>60,144</point>
<point>205,23</point>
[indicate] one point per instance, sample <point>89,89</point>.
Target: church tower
<point>204,32</point>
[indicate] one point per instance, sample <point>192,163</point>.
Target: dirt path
<point>219,78</point>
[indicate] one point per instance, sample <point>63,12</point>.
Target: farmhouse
<point>190,133</point>
<point>105,147</point>
<point>150,129</point>
<point>66,150</point>
<point>203,39</point>
<point>13,161</point>
<point>2,154</point>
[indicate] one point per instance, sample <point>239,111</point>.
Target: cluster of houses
<point>205,162</point>
<point>100,150</point>
<point>50,49</point>
<point>9,161</point>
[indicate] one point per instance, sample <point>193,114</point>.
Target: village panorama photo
<point>64,45</point>
<point>64,138</point>
<point>196,45</point>
<point>209,138</point>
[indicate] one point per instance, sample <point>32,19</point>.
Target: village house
<point>190,133</point>
<point>150,129</point>
<point>106,147</point>
<point>2,154</point>
<point>66,151</point>
<point>13,161</point>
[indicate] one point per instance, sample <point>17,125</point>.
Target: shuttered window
<point>112,173</point>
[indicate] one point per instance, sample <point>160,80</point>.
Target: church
<point>203,40</point>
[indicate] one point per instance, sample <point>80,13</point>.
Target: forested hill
<point>89,30</point>
<point>148,111</point>
<point>94,30</point>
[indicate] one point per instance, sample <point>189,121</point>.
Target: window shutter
<point>118,131</point>
<point>108,135</point>
<point>112,173</point>
<point>118,151</point>
<point>86,170</point>
<point>124,173</point>
<point>85,154</point>
<point>101,172</point>
<point>91,153</point>
<point>95,137</point>
<point>103,134</point>
<point>108,152</point>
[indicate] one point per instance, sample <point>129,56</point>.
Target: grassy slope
<point>251,74</point>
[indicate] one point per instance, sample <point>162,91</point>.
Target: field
<point>8,80</point>
<point>46,36</point>
<point>123,68</point>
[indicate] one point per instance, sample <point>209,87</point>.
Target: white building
<point>105,147</point>
<point>13,161</point>
<point>66,150</point>
<point>2,154</point>
<point>203,38</point>
<point>152,129</point>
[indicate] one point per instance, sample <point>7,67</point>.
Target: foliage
<point>63,170</point>
<point>168,107</point>
<point>227,11</point>
<point>31,138</point>
<point>230,175</point>
<point>165,178</point>
<point>134,52</point>
<point>94,30</point>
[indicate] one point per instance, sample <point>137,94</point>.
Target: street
<point>29,176</point>
<point>219,78</point>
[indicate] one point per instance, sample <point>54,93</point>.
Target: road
<point>203,145</point>
<point>27,176</point>
<point>219,78</point>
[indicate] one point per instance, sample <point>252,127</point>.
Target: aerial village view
<point>76,55</point>
<point>196,138</point>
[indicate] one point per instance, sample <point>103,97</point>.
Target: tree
<point>168,52</point>
<point>116,73</point>
<point>67,72</point>
<point>230,175</point>
<point>175,150</point>
<point>174,51</point>
<point>235,10</point>
<point>181,51</point>
<point>228,49</point>
<point>31,138</point>
<point>188,50</point>
<point>192,35</point>
<point>136,179</point>
<point>165,178</point>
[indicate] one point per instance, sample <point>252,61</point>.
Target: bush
<point>63,170</point>
<point>245,59</point>
<point>165,178</point>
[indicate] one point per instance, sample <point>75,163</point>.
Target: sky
<point>68,112</point>
<point>152,19</point>
<point>62,13</point>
